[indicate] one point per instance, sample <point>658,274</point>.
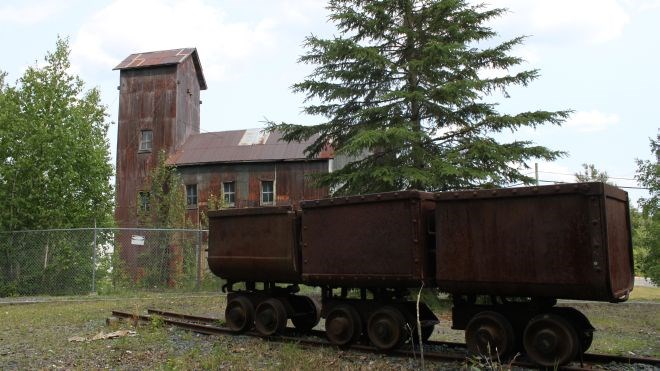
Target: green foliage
<point>167,198</point>
<point>642,239</point>
<point>54,173</point>
<point>167,257</point>
<point>591,174</point>
<point>54,155</point>
<point>647,231</point>
<point>401,91</point>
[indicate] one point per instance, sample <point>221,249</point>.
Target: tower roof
<point>164,58</point>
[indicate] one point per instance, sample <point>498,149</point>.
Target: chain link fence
<point>104,261</point>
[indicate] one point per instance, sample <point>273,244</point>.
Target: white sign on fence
<point>137,240</point>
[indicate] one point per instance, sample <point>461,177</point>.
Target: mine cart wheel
<point>343,325</point>
<point>309,313</point>
<point>239,314</point>
<point>583,327</point>
<point>386,328</point>
<point>270,317</point>
<point>490,334</point>
<point>550,340</point>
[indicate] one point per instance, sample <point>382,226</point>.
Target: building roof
<point>251,145</point>
<point>164,58</point>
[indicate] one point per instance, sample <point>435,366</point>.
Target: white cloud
<point>591,121</point>
<point>126,26</point>
<point>563,21</point>
<point>643,5</point>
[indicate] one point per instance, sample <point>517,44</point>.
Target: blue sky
<point>596,57</point>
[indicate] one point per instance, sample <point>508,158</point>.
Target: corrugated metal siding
<point>291,182</point>
<point>187,107</point>
<point>165,100</point>
<point>146,102</point>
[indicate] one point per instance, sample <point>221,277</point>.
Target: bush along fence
<point>103,260</point>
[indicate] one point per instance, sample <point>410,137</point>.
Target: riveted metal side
<point>554,241</point>
<point>254,244</point>
<point>367,241</point>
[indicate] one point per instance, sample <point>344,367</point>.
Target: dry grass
<point>35,336</point>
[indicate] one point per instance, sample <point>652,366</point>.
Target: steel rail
<point>208,325</point>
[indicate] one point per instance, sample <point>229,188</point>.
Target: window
<point>146,139</point>
<point>191,195</point>
<point>143,201</point>
<point>228,194</point>
<point>267,192</point>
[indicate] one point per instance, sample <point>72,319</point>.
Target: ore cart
<point>256,251</point>
<point>366,252</point>
<point>524,248</point>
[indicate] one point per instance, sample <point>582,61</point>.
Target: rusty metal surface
<point>224,147</point>
<point>254,244</point>
<point>370,241</point>
<point>620,261</point>
<point>292,182</point>
<point>164,58</point>
<point>147,101</point>
<point>549,241</point>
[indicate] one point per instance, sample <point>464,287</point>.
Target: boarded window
<point>267,192</point>
<point>146,140</point>
<point>191,195</point>
<point>229,194</point>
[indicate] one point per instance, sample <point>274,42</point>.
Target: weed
<point>156,322</point>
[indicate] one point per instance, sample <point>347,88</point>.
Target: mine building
<point>159,110</point>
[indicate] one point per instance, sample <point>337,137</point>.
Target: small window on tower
<point>146,139</point>
<point>191,195</point>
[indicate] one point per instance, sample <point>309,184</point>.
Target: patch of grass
<point>641,293</point>
<point>624,328</point>
<point>34,336</point>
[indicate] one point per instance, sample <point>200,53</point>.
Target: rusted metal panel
<point>141,109</point>
<point>223,147</point>
<point>159,96</point>
<point>165,58</point>
<point>370,241</point>
<point>620,261</point>
<point>187,107</point>
<point>254,244</point>
<point>551,241</point>
<point>290,181</point>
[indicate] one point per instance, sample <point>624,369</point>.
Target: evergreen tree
<point>54,155</point>
<point>402,94</point>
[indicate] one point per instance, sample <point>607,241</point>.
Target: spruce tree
<point>401,93</point>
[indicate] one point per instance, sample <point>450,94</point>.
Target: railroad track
<point>454,352</point>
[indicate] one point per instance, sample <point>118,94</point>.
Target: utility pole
<point>536,172</point>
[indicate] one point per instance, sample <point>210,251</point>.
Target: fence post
<point>94,261</point>
<point>198,271</point>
